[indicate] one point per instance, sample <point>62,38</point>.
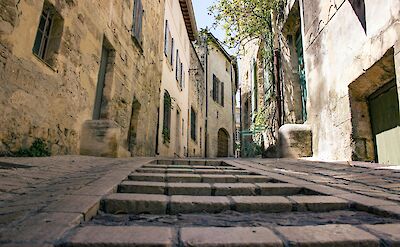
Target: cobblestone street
<point>86,201</point>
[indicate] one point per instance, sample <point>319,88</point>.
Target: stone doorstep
<point>197,178</point>
<point>270,204</point>
<point>327,235</point>
<point>253,179</point>
<point>121,236</point>
<point>183,178</point>
<point>319,203</point>
<point>232,236</point>
<point>142,187</point>
<point>195,189</point>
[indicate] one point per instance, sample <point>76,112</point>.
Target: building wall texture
<point>54,101</point>
<point>343,41</point>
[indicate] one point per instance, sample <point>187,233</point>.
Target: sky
<point>204,20</point>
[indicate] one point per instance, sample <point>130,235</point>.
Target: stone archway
<point>223,143</point>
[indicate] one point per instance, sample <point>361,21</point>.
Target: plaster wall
<point>338,50</point>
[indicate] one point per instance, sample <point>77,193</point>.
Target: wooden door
<point>223,143</point>
<point>385,122</point>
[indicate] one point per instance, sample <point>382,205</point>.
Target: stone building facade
<point>221,73</point>
<point>177,108</point>
<point>339,80</point>
<point>82,75</point>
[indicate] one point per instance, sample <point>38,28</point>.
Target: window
<point>218,91</point>
<point>168,44</point>
<point>48,35</point>
<point>167,118</point>
<point>177,67</point>
<point>193,124</point>
<point>137,20</point>
<point>181,76</point>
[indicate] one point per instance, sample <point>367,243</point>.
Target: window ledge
<point>138,44</point>
<point>45,63</point>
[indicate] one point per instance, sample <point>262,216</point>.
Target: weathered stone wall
<point>341,42</point>
<point>197,100</point>
<point>53,102</point>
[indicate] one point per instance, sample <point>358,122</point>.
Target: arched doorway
<point>223,143</point>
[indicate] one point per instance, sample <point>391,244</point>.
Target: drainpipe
<point>206,124</point>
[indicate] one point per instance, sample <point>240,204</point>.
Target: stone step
<point>116,236</point>
<point>208,189</point>
<point>162,204</point>
<point>191,167</point>
<point>316,235</point>
<point>192,171</point>
<point>197,178</point>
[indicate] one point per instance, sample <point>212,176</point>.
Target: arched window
<point>166,131</point>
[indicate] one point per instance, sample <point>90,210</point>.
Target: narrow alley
<point>199,123</point>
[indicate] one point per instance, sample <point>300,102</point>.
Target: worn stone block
<point>278,189</point>
<point>122,236</point>
<point>269,204</point>
<point>195,189</point>
<point>183,178</point>
<point>234,189</point>
<point>328,235</point>
<point>231,236</point>
<point>154,177</point>
<point>319,203</point>
<point>198,204</point>
<point>135,203</point>
<point>217,178</point>
<point>390,233</point>
<point>142,187</point>
<point>295,140</point>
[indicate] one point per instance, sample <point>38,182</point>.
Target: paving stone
<point>319,203</point>
<point>42,227</point>
<point>209,171</point>
<point>183,178</point>
<point>218,178</point>
<point>86,205</point>
<point>116,236</point>
<point>269,204</point>
<point>278,189</point>
<point>236,172</point>
<point>142,187</point>
<point>230,236</point>
<point>252,179</point>
<point>195,189</point>
<point>233,189</point>
<point>135,203</point>
<point>390,233</point>
<point>154,177</point>
<point>198,204</point>
<point>327,235</point>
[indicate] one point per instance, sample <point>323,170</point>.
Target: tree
<point>245,20</point>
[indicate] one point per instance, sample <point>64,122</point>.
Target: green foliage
<point>246,20</point>
<point>251,149</point>
<point>38,149</point>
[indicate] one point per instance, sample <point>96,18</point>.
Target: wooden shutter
<point>222,94</point>
<point>172,51</point>
<point>166,45</point>
<point>137,19</point>
<point>177,66</point>
<point>180,75</point>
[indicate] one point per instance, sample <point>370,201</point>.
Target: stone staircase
<point>212,203</point>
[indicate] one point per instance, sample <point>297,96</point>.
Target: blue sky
<point>203,19</point>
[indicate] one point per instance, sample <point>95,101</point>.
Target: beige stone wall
<point>53,102</point>
<point>220,117</point>
<point>197,100</point>
<point>178,143</point>
<point>337,52</point>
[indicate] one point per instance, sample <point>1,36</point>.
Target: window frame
<point>137,21</point>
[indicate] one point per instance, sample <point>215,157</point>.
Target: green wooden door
<point>302,75</point>
<point>385,123</point>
